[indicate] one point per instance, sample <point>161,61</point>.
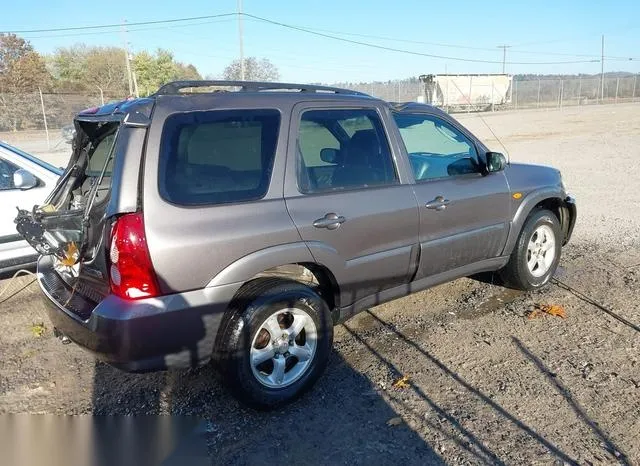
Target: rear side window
<point>217,157</point>
<point>340,149</point>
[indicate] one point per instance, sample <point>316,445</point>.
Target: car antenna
<point>468,99</point>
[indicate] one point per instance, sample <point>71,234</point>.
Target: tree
<point>254,70</point>
<point>82,68</point>
<point>22,73</point>
<point>12,48</point>
<point>152,71</point>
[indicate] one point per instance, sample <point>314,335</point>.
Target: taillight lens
<point>131,273</point>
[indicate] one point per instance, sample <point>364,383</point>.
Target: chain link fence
<point>530,93</point>
<point>26,117</point>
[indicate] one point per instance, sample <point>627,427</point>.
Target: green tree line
<point>90,70</point>
<point>81,68</point>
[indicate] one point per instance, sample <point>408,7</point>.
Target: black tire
<point>256,301</point>
<point>516,273</point>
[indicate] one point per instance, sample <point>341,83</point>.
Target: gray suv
<point>240,221</point>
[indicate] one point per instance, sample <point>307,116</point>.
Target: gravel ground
<point>486,384</point>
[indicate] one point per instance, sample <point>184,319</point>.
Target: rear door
<point>463,214</point>
<point>347,199</point>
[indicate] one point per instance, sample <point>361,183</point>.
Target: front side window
<point>343,149</point>
<point>217,157</point>
<point>436,148</point>
<point>7,170</point>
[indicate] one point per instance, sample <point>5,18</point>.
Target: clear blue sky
<point>544,27</point>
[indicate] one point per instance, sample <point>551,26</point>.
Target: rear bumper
<point>176,330</point>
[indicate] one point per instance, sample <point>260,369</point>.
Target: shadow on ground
<point>342,420</point>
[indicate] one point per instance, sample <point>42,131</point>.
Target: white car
<point>25,181</point>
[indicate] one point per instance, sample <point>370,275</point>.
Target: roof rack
<point>250,86</point>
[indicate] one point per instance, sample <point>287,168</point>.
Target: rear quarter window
<point>217,157</point>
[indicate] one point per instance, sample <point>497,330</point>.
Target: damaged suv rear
<point>94,208</point>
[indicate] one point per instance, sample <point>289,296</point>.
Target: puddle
<point>492,303</point>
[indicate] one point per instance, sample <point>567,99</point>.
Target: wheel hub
<point>541,252</point>
<point>281,345</point>
<point>283,348</point>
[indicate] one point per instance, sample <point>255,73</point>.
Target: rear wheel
<point>275,342</point>
<point>536,255</point>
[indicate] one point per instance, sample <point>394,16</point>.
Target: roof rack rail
<point>251,86</point>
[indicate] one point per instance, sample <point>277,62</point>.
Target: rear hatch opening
<point>69,224</point>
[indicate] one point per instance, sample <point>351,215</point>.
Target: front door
<point>463,214</point>
<point>347,200</point>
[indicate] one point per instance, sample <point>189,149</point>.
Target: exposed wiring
<point>580,295</point>
<point>485,123</point>
<point>12,279</point>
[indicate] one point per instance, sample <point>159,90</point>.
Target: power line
<point>103,26</point>
<point>456,46</point>
<point>409,52</point>
<point>504,55</point>
<point>322,33</point>
<point>142,29</point>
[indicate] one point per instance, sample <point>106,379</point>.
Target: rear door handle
<point>330,221</point>
<point>439,203</point>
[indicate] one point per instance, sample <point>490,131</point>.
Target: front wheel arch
<point>549,199</point>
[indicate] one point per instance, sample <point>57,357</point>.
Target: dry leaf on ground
<point>551,309</point>
<point>402,382</point>
<point>535,314</point>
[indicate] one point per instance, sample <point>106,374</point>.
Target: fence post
<point>538,105</point>
<point>44,117</point>
<point>469,99</point>
<point>617,86</point>
<point>561,92</point>
<point>447,98</point>
<point>633,97</point>
<point>516,91</point>
<point>492,104</point>
<point>579,89</point>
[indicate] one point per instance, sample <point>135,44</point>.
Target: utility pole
<point>126,57</point>
<point>240,38</point>
<point>602,72</point>
<point>504,56</point>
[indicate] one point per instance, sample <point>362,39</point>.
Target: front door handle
<point>439,203</point>
<point>330,221</point>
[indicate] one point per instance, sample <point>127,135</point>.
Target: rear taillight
<point>131,273</point>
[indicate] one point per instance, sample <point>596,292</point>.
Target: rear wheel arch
<point>311,274</point>
<point>316,276</point>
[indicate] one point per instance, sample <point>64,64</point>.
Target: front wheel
<point>275,342</point>
<point>536,255</point>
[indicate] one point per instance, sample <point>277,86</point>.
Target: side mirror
<point>22,179</point>
<point>496,162</point>
<point>329,155</point>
